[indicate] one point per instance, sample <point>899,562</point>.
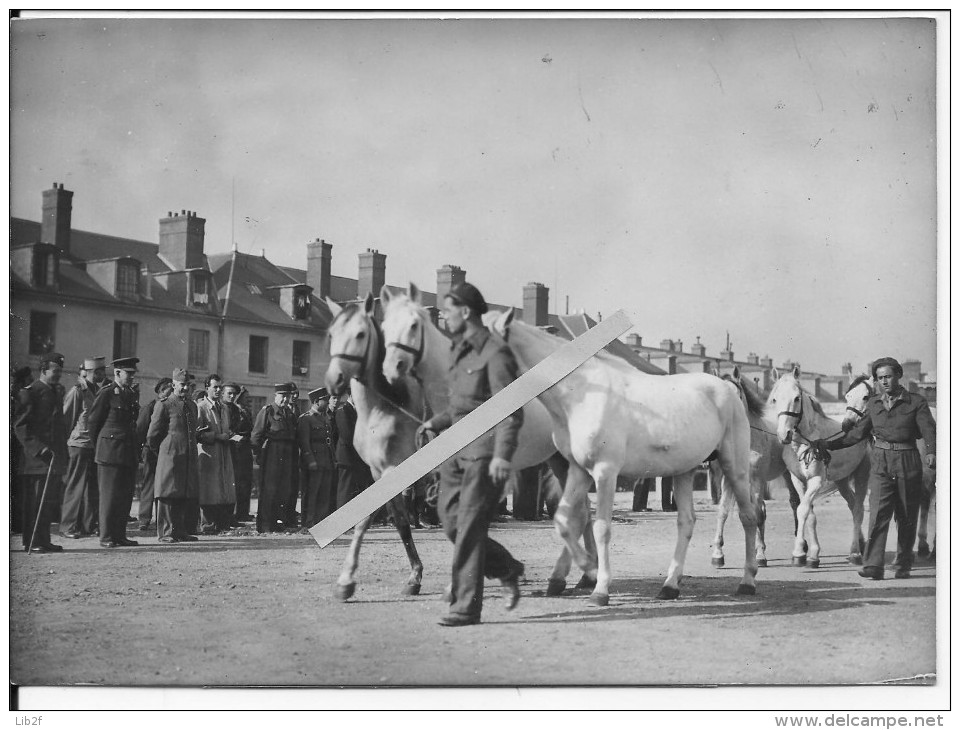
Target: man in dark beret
<point>471,482</point>
<point>40,428</point>
<point>895,418</point>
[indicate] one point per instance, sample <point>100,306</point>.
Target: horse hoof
<point>599,599</point>
<point>556,586</point>
<point>344,593</point>
<point>923,550</point>
<point>716,562</point>
<point>814,563</point>
<point>411,589</point>
<point>667,593</point>
<point>761,562</point>
<point>855,559</point>
<point>587,582</point>
<point>799,560</point>
<point>744,590</point>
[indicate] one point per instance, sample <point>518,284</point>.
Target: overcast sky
<point>771,178</point>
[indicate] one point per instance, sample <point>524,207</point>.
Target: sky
<point>774,179</point>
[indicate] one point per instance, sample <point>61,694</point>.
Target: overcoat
<point>215,457</point>
<point>173,436</point>
<point>40,424</point>
<point>274,438</point>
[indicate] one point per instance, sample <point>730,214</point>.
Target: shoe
<point>510,587</point>
<point>72,535</point>
<point>50,548</point>
<point>902,573</point>
<point>458,619</point>
<point>109,544</point>
<point>88,534</point>
<point>871,572</point>
<point>188,538</point>
<point>124,542</point>
<point>166,540</point>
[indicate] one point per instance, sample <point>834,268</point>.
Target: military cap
<point>887,362</point>
<point>51,357</point>
<point>180,376</point>
<point>318,393</point>
<point>294,388</point>
<point>94,363</point>
<point>283,388</point>
<point>126,363</point>
<point>161,384</point>
<point>468,295</point>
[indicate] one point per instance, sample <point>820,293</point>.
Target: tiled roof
<point>574,325</point>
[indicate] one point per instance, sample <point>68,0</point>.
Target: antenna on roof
<point>233,212</point>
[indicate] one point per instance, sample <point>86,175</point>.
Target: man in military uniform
<point>289,499</point>
<point>273,438</point>
<point>148,455</point>
<point>895,418</point>
<point>235,398</point>
<point>172,436</point>
<point>315,438</point>
<point>113,427</point>
<point>39,427</point>
<point>481,365</point>
<point>81,495</point>
<point>353,474</point>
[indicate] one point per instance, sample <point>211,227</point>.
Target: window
<point>199,289</point>
<point>301,359</point>
<point>198,350</point>
<point>301,305</point>
<point>45,269</point>
<point>128,281</point>
<point>124,339</point>
<point>42,328</point>
<point>258,354</point>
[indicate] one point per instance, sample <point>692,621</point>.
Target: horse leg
<point>923,547</point>
<point>346,585</point>
<point>799,520</point>
<point>398,509</point>
<point>761,507</point>
<point>724,505</point>
<point>605,477</point>
<point>683,494</point>
<point>589,544</point>
<point>794,499</point>
<point>579,524</point>
<point>854,500</point>
<point>566,521</point>
<point>808,522</point>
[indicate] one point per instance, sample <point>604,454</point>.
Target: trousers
<point>145,512</point>
<point>468,501</point>
<point>81,493</point>
<point>116,496</point>
<point>897,479</point>
<point>36,515</point>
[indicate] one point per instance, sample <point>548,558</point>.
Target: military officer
<point>148,455</point>
<point>113,427</point>
<point>895,418</point>
<point>315,438</point>
<point>273,438</point>
<point>40,428</point>
<point>81,495</point>
<point>481,365</point>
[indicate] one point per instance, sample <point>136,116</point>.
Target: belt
<point>895,445</point>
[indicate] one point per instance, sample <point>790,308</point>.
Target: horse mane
<point>603,355</point>
<point>816,405</point>
<point>755,404</point>
<point>857,380</point>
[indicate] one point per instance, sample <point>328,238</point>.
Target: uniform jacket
<point>273,423</point>
<point>39,424</point>
<point>76,409</point>
<point>480,367</point>
<point>215,456</point>
<point>346,454</point>
<point>172,434</point>
<point>907,420</point>
<point>315,437</point>
<point>112,423</point>
<point>274,438</point>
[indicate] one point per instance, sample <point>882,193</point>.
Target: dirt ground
<point>259,610</point>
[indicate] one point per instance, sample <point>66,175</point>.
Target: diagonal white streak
<point>528,386</point>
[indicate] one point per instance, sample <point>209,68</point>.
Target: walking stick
<point>43,496</point>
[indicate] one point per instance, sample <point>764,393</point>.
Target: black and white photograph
<point>536,360</point>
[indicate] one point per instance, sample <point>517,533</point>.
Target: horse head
<point>355,345</point>
<point>857,396</point>
<point>499,322</point>
<point>404,332</point>
<point>786,399</point>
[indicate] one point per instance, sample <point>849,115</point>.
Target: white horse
<point>799,419</point>
<point>766,464</point>
<point>609,418</point>
<point>860,391</point>
<point>387,419</point>
<point>415,346</point>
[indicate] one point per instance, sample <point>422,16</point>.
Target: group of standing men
<point>79,452</point>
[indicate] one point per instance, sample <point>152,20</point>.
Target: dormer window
<point>199,289</point>
<point>128,280</point>
<point>301,305</point>
<point>45,267</point>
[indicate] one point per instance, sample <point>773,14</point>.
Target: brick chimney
<point>698,349</point>
<point>666,345</point>
<point>57,210</point>
<point>448,276</point>
<point>319,258</point>
<point>536,298</point>
<point>766,362</point>
<point>181,240</point>
<point>373,273</point>
<point>753,359</point>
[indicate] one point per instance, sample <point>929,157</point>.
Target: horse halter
<point>416,352</point>
<point>795,414</point>
<point>361,359</point>
<point>861,414</point>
